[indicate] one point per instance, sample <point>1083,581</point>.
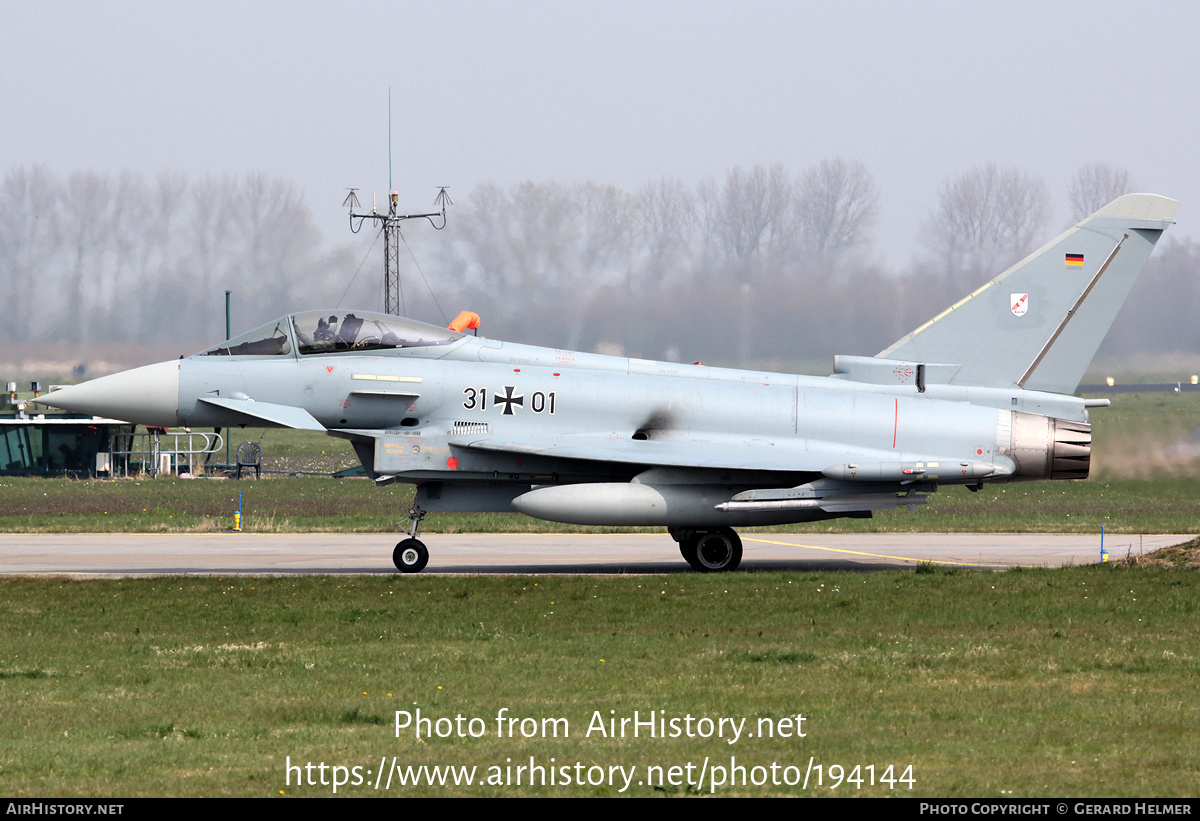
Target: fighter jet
<point>978,394</point>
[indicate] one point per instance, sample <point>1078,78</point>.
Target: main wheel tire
<point>687,548</point>
<point>410,556</point>
<point>718,551</point>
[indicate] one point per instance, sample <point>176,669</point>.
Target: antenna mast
<point>390,222</point>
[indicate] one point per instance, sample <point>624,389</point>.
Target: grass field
<point>1072,682</point>
<point>287,504</point>
<point>1078,681</point>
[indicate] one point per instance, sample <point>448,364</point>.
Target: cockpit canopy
<point>272,339</point>
<point>320,332</point>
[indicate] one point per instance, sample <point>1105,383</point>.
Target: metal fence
<point>155,453</point>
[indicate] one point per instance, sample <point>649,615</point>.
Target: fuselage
<point>427,405</point>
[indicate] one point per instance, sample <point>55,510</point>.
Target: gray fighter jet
<point>980,393</point>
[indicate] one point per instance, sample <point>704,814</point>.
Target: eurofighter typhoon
<point>980,393</point>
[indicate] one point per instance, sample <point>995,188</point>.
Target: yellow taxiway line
<point>875,555</point>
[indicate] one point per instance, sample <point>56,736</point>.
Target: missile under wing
<point>978,394</point>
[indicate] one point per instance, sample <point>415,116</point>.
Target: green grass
<point>288,504</point>
<point>1030,683</point>
<point>1133,438</point>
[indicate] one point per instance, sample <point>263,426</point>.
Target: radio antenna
<point>390,226</point>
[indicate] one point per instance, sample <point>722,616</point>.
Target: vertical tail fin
<point>1039,323</point>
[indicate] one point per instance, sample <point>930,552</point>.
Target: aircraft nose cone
<point>145,396</point>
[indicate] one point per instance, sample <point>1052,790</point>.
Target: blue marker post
<point>1103,552</point>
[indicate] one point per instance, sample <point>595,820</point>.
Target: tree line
<point>93,257</point>
<point>765,267</point>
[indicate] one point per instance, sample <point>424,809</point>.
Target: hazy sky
<point>613,92</point>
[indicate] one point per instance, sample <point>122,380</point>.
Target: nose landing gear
<point>411,555</point>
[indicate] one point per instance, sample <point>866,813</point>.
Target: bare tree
<point>668,224</point>
<point>609,219</point>
<point>1095,186</point>
<point>279,241</point>
<point>481,251</point>
<point>1024,211</point>
<point>30,237</point>
<point>750,213</point>
<point>544,225</point>
<point>835,205</point>
<point>87,210</point>
<point>213,210</point>
<point>987,217</point>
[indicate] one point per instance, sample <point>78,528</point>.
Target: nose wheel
<point>410,556</point>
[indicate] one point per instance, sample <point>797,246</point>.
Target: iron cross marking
<point>508,400</point>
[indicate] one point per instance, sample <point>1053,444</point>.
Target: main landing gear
<point>717,550</point>
<point>411,555</point>
<point>709,551</point>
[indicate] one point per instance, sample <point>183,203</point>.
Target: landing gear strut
<point>411,555</point>
<point>709,551</point>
